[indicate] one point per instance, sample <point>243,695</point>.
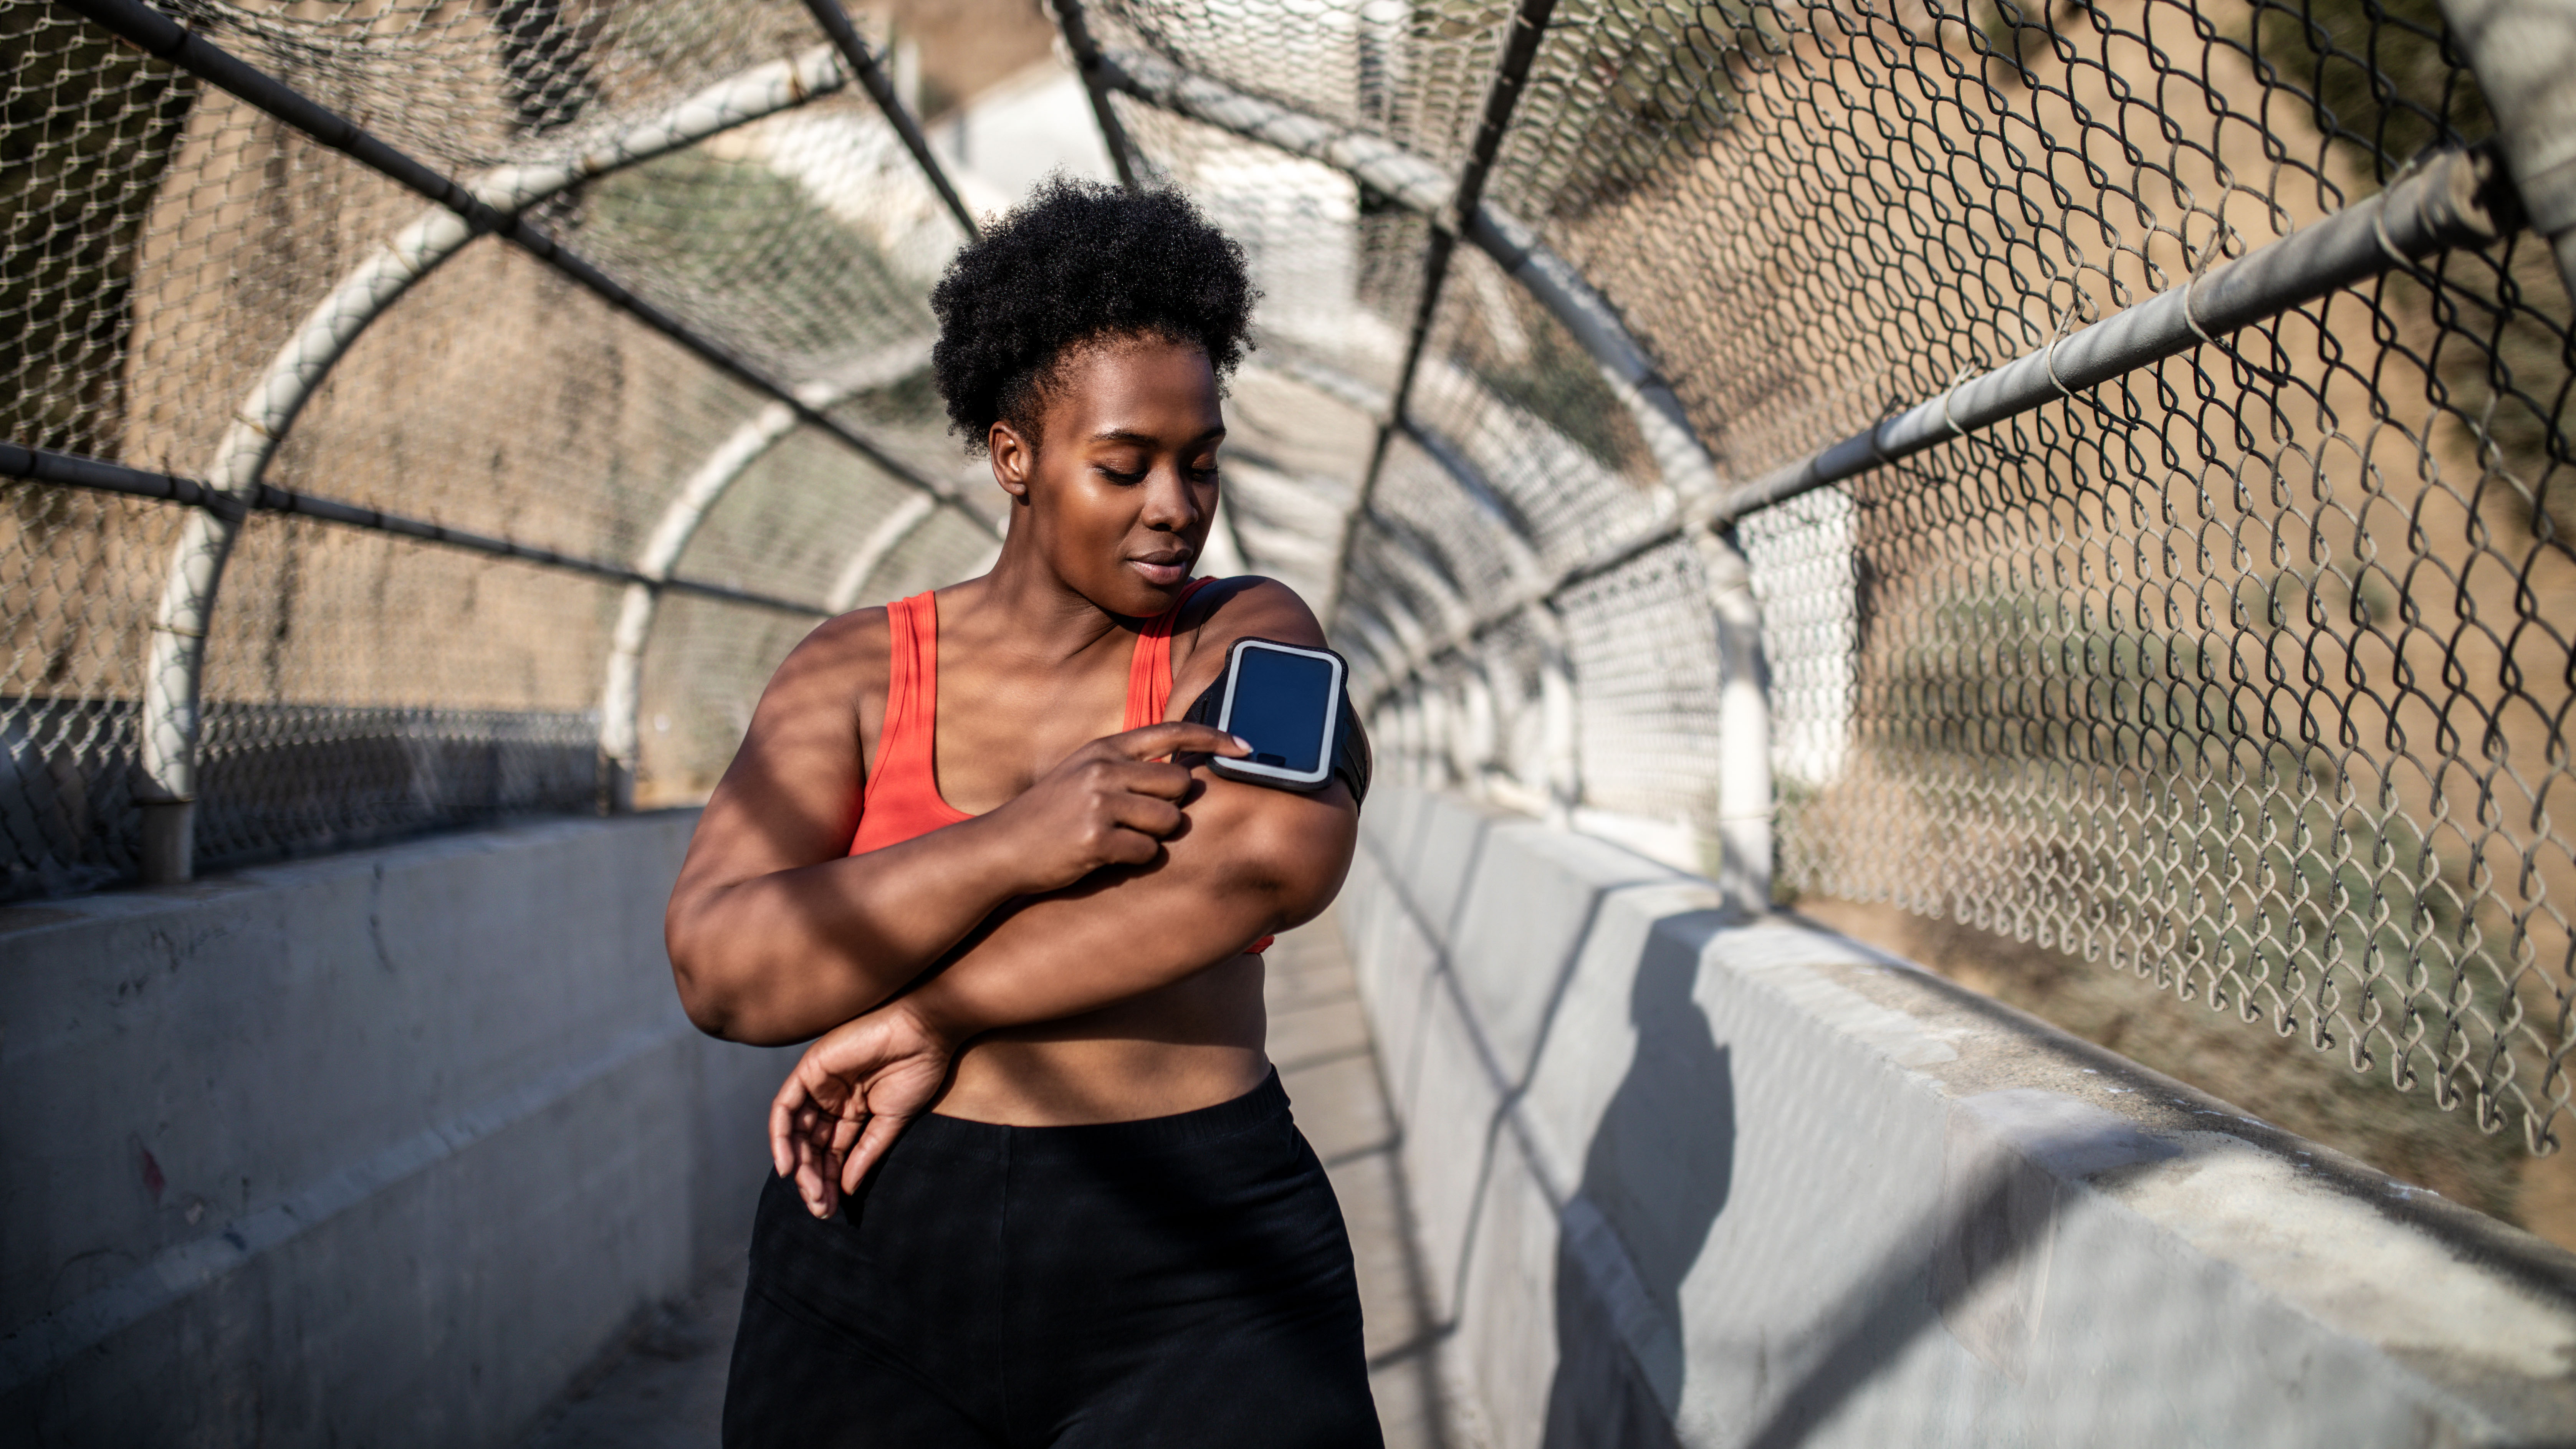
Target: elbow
<point>706,1010</point>
<point>740,990</point>
<point>709,996</point>
<point>707,1007</point>
<point>724,1010</point>
<point>1308,894</point>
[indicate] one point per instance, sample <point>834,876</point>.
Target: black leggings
<point>1181,1281</point>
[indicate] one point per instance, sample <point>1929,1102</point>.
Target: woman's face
<point>1118,493</point>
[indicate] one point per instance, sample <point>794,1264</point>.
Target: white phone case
<point>1330,705</point>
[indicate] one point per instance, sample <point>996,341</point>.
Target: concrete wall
<point>1689,1177</point>
<point>373,1150</point>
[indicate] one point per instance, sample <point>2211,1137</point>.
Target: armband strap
<point>1352,760</point>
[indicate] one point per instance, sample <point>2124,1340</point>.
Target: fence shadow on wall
<point>1962,1259</point>
<point>1658,1167</point>
<point>1660,1164</point>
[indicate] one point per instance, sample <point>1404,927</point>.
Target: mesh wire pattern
<point>2246,673</point>
<point>165,240</point>
<point>2241,673</point>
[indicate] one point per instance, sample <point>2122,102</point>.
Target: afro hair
<point>1077,263</point>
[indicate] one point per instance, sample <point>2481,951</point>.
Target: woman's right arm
<point>777,934</point>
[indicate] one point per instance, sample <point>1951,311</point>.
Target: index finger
<point>1157,740</point>
<point>782,1124</point>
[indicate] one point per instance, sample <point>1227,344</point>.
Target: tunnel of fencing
<point>2096,471</point>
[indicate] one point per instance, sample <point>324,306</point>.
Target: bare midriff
<point>1192,1044</point>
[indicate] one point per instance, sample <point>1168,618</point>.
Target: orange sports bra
<point>902,798</point>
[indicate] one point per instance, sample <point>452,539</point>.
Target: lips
<point>1163,570</point>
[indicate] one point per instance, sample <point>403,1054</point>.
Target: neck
<point>1023,607</point>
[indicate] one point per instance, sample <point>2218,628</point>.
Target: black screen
<point>1281,704</point>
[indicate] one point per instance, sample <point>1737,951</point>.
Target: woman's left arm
<point>1252,862</point>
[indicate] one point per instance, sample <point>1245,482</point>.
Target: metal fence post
<point>2524,55</point>
<point>1744,783</point>
<point>1086,60</point>
<point>1560,725</point>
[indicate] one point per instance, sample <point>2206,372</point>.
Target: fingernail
<point>1241,743</point>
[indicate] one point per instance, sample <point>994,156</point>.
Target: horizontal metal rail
<point>71,470</point>
<point>2458,198</point>
<point>160,36</point>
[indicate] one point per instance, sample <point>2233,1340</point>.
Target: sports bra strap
<point>1149,669</point>
<point>901,798</point>
<point>912,686</point>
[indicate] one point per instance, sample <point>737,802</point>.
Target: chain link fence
<point>187,267</point>
<point>2240,668</point>
<point>2096,472</point>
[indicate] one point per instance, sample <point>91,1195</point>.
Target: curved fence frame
<point>494,202</point>
<point>172,712</point>
<point>622,688</point>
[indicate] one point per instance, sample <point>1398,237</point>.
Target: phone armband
<point>1275,703</point>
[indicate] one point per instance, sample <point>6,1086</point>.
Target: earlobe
<point>1011,456</point>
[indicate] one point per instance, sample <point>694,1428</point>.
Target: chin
<point>1132,597</point>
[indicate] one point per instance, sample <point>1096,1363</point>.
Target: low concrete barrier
<point>1687,1177</point>
<point>377,1149</point>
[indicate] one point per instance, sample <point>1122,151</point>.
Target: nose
<point>1171,504</point>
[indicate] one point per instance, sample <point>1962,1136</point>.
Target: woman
<point>1037,1183</point>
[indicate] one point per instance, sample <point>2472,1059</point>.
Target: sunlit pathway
<point>666,1391</point>
<point>1320,1040</point>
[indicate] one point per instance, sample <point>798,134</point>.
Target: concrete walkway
<point>666,1391</point>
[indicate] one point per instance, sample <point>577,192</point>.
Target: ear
<point>1015,459</point>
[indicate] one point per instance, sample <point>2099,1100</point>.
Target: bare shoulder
<point>852,638</point>
<point>1249,606</point>
<point>845,655</point>
<point>819,696</point>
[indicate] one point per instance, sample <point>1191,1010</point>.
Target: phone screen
<point>1282,704</point>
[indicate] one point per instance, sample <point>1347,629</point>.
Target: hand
<point>1107,804</point>
<point>850,1096</point>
